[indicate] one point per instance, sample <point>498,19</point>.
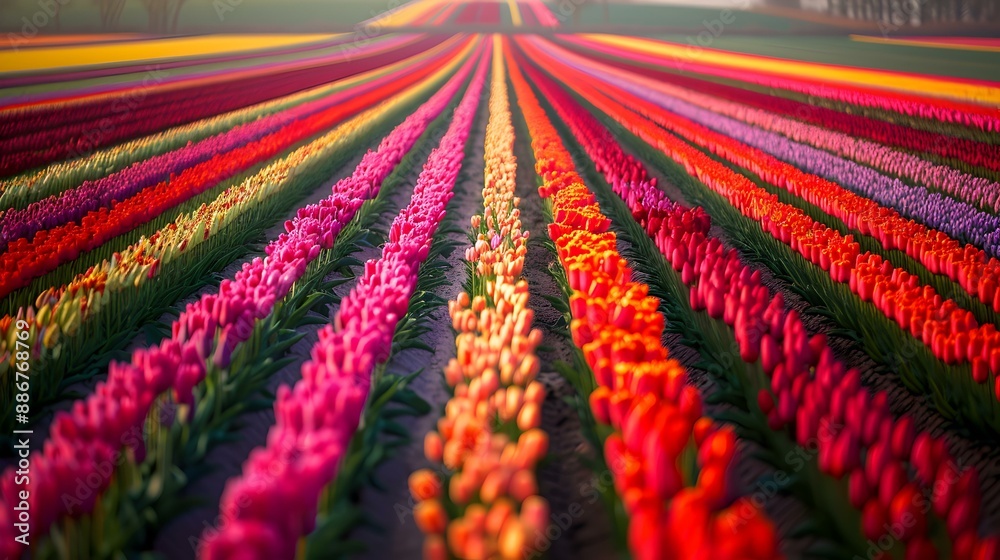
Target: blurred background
<point>754,17</point>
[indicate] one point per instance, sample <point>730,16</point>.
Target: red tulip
<point>963,515</point>
<point>873,520</point>
<point>905,512</point>
<point>988,549</point>
<point>964,546</point>
<point>921,548</point>
<point>902,438</point>
<point>765,401</point>
<point>891,481</point>
<point>857,489</point>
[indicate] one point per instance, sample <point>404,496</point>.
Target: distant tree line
<point>163,14</point>
<point>906,12</point>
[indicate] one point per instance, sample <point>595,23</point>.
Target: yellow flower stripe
<point>919,43</point>
<point>407,13</point>
<point>109,160</point>
<point>920,85</point>
<point>53,58</point>
<point>515,13</point>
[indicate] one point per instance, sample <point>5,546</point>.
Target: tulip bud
<point>770,353</point>
<point>873,520</point>
<point>945,488</point>
<point>523,485</point>
<point>890,482</point>
<point>424,485</point>
<point>513,541</point>
<point>904,512</point>
<point>435,548</point>
<point>980,370</point>
<point>858,491</point>
<point>964,546</point>
<point>964,515</point>
<point>765,401</point>
<point>497,516</point>
<point>430,517</point>
<point>988,549</point>
<point>902,437</point>
<point>529,417</point>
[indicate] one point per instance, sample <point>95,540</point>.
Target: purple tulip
<point>73,204</point>
<point>958,219</point>
<point>98,427</point>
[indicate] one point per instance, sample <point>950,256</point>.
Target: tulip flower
<point>94,429</point>
<point>871,450</point>
<point>494,442</point>
<point>326,404</point>
<point>969,114</point>
<point>73,204</point>
<point>869,275</point>
<point>641,392</point>
<point>43,131</point>
<point>83,219</point>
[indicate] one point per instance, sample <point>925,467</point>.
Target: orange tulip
<point>430,517</point>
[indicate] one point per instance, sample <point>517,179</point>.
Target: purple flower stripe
<point>73,204</point>
<point>958,219</point>
<point>965,114</point>
<point>979,191</point>
<point>92,434</point>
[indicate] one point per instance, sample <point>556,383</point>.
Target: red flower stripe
<point>655,413</point>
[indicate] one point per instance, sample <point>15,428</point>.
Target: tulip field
<point>497,296</point>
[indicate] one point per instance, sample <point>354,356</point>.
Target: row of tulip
<point>981,192</point>
<point>275,501</point>
<point>916,105</point>
<point>643,395</point>
<point>485,502</point>
<point>950,332</point>
<point>204,337</point>
<point>32,104</point>
<point>155,108</point>
<point>26,260</point>
<point>968,154</point>
<point>81,317</point>
<point>21,190</point>
<point>479,13</point>
<point>959,219</point>
<point>73,78</point>
<point>74,203</point>
<point>871,449</point>
<point>977,273</point>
